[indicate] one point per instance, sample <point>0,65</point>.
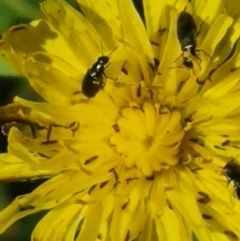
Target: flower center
<point>149,137</point>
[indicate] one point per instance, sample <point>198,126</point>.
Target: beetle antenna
<point>178,57</point>
<point>200,27</point>
<point>102,47</point>
<point>201,50</point>
<point>113,50</point>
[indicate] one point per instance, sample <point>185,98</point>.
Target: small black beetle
<point>232,171</point>
<point>93,80</point>
<point>186,33</point>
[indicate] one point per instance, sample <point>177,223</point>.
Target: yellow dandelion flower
<point>133,142</point>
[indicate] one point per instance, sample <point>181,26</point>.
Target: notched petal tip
<point>29,38</point>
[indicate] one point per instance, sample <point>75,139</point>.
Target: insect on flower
<point>93,80</point>
<point>232,171</point>
<point>187,33</point>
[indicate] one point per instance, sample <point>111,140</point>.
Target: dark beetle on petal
<point>93,80</point>
<point>186,33</point>
<point>232,171</point>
